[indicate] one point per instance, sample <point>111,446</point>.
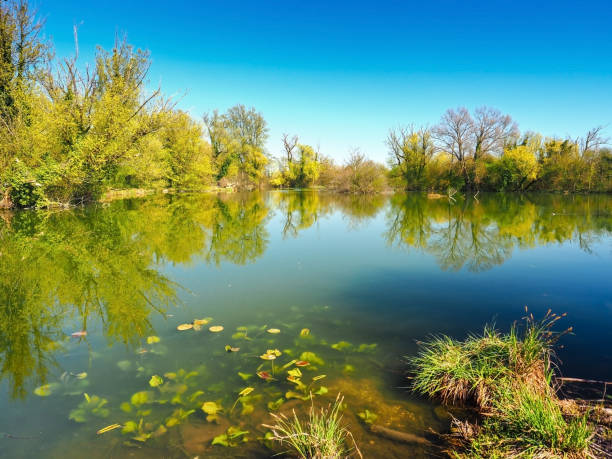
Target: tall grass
<point>510,379</point>
<point>321,436</point>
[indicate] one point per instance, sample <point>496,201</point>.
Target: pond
<point>332,291</point>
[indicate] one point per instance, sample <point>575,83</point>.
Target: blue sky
<point>340,74</point>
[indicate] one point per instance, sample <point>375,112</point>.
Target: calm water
<point>367,276</point>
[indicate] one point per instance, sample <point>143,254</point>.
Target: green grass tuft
<point>510,379</point>
<point>322,435</point>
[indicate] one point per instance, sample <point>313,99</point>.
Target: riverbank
<point>511,385</point>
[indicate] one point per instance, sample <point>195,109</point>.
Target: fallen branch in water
<point>398,436</point>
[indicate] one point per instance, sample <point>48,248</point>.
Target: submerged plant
<point>92,406</point>
<point>321,435</point>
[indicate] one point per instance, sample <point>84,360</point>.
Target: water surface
<point>368,276</point>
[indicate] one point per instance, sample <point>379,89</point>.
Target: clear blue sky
<point>340,74</point>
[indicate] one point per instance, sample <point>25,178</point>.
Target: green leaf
<point>211,408</point>
<point>155,381</point>
<point>153,339</point>
<point>140,398</point>
<point>341,346</point>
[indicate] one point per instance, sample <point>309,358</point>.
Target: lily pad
<point>202,321</point>
<point>316,378</point>
<point>302,363</point>
<point>273,331</point>
<point>216,328</point>
<point>153,339</point>
<point>304,332</point>
<point>229,348</point>
<point>183,327</point>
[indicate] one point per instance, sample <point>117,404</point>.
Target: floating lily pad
<point>202,321</point>
<point>216,328</point>
<point>264,375</point>
<point>273,331</point>
<point>302,363</point>
<point>183,327</point>
<point>304,332</point>
<point>153,339</point>
<point>267,356</point>
<point>316,378</point>
<point>229,348</point>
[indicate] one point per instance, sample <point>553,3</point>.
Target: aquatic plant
<point>321,435</point>
<point>232,437</point>
<point>92,406</point>
<point>510,379</point>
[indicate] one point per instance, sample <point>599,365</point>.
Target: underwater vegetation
<point>261,369</point>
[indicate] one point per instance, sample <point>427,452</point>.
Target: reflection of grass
<point>322,435</point>
<point>509,378</point>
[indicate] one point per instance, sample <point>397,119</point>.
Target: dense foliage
<point>485,151</point>
<point>69,133</point>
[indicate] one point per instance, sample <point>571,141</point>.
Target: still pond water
<point>348,284</point>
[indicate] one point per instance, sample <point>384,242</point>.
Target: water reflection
<point>104,264</point>
<point>481,233</point>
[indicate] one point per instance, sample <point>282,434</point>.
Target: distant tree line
<point>69,133</point>
<point>484,150</point>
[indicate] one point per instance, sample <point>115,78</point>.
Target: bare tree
<point>289,144</point>
<point>454,133</point>
<point>594,140</point>
<point>491,131</point>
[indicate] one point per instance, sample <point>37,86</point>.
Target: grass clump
<point>322,435</point>
<point>509,378</point>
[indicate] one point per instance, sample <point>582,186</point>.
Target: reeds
<point>321,436</point>
<point>510,379</point>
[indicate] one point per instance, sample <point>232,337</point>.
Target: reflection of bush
<point>105,263</point>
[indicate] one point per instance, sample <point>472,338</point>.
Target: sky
<point>341,74</point>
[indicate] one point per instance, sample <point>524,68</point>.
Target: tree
<point>491,131</point>
<point>410,151</point>
<point>362,175</point>
<point>238,139</point>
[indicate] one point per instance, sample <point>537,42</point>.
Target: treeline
<point>69,133</point>
<point>485,150</point>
